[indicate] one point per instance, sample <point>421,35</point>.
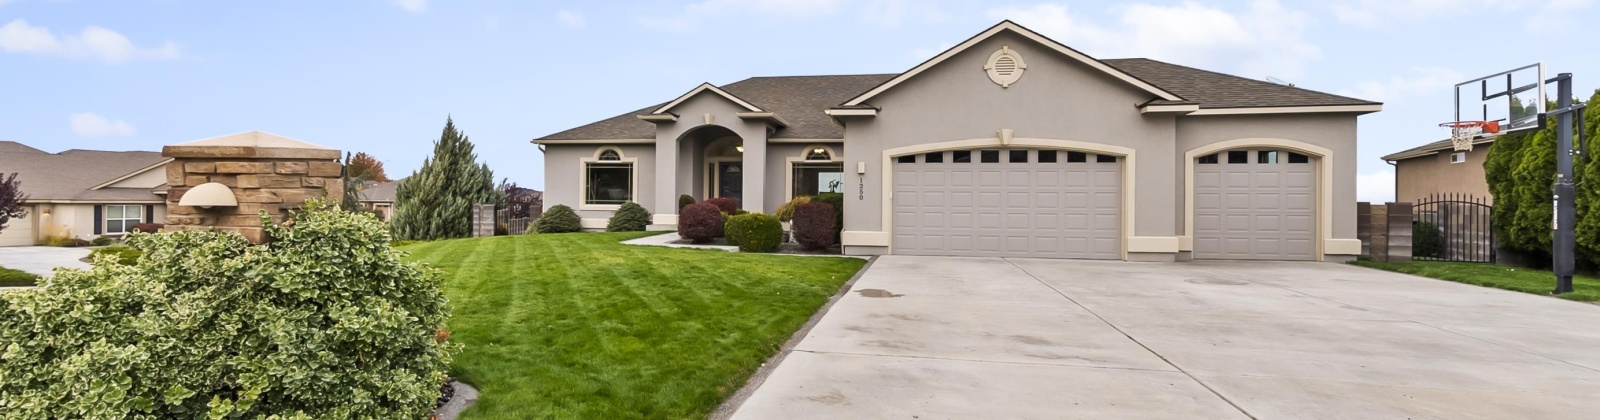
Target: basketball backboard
<point>1514,98</point>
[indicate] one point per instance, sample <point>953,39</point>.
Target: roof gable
<point>1005,26</point>
<point>707,87</point>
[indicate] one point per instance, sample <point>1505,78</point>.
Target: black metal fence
<point>1452,227</point>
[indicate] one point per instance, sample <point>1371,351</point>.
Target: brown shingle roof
<point>801,100</point>
<point>69,175</point>
<point>1216,90</point>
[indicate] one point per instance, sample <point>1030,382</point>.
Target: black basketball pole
<point>1565,240</point>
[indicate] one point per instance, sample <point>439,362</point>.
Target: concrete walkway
<point>936,338</point>
<point>42,260</point>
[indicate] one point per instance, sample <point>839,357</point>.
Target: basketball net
<point>1463,133</point>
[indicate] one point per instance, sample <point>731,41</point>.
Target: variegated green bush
<point>326,321</point>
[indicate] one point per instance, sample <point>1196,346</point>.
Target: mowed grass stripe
<point>580,326</point>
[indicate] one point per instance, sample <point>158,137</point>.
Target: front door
<point>730,180</point>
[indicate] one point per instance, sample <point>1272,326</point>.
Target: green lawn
<point>1585,288</point>
<point>579,326</point>
<point>10,278</point>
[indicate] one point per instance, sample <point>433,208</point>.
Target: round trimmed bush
<point>700,222</point>
<point>327,321</point>
<point>559,219</point>
<point>785,212</point>
<point>757,232</point>
<point>727,205</point>
<point>814,225</point>
<point>837,201</point>
<point>631,217</point>
<point>684,201</point>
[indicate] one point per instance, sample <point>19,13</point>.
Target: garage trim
<point>1126,153</point>
<point>1324,184</point>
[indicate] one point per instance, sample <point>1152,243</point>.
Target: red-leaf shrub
<point>700,222</point>
<point>727,205</point>
<point>814,225</point>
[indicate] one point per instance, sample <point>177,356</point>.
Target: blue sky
<point>381,75</point>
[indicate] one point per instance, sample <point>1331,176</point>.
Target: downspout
<point>1396,178</point>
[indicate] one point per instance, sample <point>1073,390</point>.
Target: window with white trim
<point>816,173</point>
<point>1458,157</point>
<point>608,179</point>
<point>121,218</point>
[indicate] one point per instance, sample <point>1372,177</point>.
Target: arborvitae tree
<point>1520,169</point>
<point>1589,183</point>
<point>11,198</point>
<point>435,202</point>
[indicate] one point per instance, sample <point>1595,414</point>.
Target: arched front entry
<point>1021,198</point>
<point>1257,199</point>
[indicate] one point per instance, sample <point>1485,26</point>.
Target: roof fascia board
<point>1290,110</point>
<point>763,116</point>
<point>594,141</point>
<point>852,112</point>
<point>667,117</point>
<point>1161,109</point>
<point>707,87</point>
<point>1412,154</point>
<point>163,163</point>
<point>1025,32</point>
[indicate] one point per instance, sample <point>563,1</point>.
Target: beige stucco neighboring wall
<point>1056,99</point>
<point>563,173</point>
<point>20,231</point>
<point>65,219</point>
<point>1421,176</point>
<point>151,178</point>
<point>1334,132</point>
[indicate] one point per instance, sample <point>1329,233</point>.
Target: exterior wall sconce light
<point>740,148</point>
<point>209,195</point>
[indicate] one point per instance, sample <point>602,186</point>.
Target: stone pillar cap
<point>252,144</point>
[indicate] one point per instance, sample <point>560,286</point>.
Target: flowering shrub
<point>727,205</point>
<point>814,225</point>
<point>324,322</point>
<point>700,222</point>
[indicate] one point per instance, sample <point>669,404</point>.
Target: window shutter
<point>149,211</point>
<point>99,218</point>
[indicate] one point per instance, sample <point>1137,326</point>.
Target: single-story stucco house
<point>1437,168</point>
<point>379,197</point>
<point>1008,144</point>
<point>83,194</point>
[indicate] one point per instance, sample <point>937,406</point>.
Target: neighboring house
<point>379,197</point>
<point>1437,168</point>
<point>1009,144</point>
<point>83,193</point>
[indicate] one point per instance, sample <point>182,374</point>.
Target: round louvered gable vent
<point>1005,67</point>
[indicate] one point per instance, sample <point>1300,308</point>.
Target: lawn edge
<point>731,405</point>
<point>1464,283</point>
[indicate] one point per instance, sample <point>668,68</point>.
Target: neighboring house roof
<point>71,175</point>
<point>1216,90</point>
<point>801,100</point>
<point>14,147</point>
<point>1430,149</point>
<point>382,192</point>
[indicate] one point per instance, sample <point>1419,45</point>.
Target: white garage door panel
<point>1260,209</point>
<point>1055,209</point>
<point>18,232</point>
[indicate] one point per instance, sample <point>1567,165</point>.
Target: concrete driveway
<point>42,260</point>
<point>938,338</point>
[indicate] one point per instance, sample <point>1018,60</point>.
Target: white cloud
<point>1266,40</point>
<point>89,124</point>
<point>1421,81</point>
<point>1376,187</point>
<point>694,13</point>
<point>571,19</point>
<point>413,6</point>
<point>93,43</point>
<point>1535,14</point>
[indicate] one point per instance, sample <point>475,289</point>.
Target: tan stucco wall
<point>1434,174</point>
<point>1056,98</point>
<point>74,220</point>
<point>563,170</point>
<point>1334,132</point>
<point>20,232</point>
<point>676,156</point>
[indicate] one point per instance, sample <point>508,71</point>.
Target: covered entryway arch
<point>1021,198</point>
<point>1257,199</point>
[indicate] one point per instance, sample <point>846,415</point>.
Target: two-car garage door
<point>1008,203</point>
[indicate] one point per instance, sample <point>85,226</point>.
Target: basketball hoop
<point>1462,133</point>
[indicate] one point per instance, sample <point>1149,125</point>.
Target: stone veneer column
<point>271,179</point>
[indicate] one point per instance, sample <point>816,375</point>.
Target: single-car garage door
<point>1255,205</point>
<point>18,232</point>
<point>1008,203</point>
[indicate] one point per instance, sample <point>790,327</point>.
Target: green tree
<point>435,202</point>
<point>1520,169</point>
<point>1589,184</point>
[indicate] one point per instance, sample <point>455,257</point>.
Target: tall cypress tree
<point>435,202</point>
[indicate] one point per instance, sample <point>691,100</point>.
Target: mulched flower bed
<point>785,248</point>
